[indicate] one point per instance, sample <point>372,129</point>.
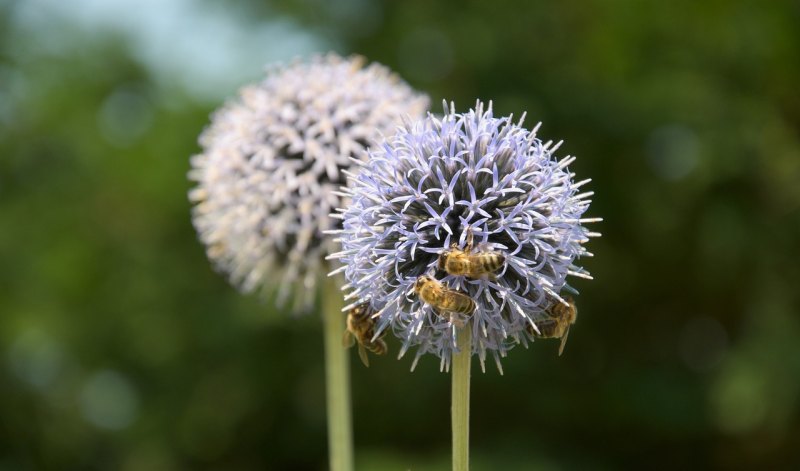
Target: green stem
<point>460,398</point>
<point>337,374</point>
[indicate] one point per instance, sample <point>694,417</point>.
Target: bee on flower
<point>475,206</point>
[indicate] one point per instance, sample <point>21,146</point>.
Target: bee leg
<point>456,320</point>
<point>447,315</point>
<point>468,246</point>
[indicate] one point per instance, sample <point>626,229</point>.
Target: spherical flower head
<point>273,160</point>
<point>433,186</point>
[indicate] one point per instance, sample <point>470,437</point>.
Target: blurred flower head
<point>273,160</point>
<point>435,185</point>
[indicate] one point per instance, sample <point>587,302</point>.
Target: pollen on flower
<point>463,183</point>
<point>272,162</point>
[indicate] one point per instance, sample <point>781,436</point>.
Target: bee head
<point>421,282</point>
<point>443,259</point>
<point>360,310</point>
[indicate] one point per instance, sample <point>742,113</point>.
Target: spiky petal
<point>420,191</point>
<point>273,160</point>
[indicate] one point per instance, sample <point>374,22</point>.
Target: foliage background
<point>121,349</point>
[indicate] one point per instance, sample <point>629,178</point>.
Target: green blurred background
<point>120,348</point>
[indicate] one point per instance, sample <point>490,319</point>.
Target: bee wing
<point>348,340</point>
<point>362,353</point>
<point>563,341</point>
<point>546,328</point>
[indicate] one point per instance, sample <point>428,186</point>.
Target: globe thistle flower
<point>442,181</point>
<point>273,160</point>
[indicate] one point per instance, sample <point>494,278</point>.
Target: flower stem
<point>337,375</point>
<point>460,398</point>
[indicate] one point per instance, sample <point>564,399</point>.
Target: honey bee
<point>361,328</point>
<point>557,321</point>
<point>471,264</point>
<point>441,298</point>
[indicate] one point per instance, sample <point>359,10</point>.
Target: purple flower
<point>428,187</point>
